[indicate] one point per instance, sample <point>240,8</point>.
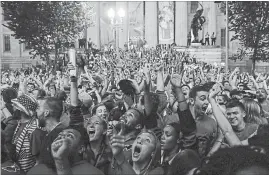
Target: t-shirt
<point>207,131</point>
<point>247,132</point>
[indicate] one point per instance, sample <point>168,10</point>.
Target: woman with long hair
<point>146,152</point>
<point>98,152</point>
<point>254,112</point>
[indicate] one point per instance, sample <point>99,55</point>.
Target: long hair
<point>155,160</point>
<point>253,111</point>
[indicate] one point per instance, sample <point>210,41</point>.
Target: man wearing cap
<point>27,105</point>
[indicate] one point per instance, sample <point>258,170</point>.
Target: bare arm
<point>222,121</point>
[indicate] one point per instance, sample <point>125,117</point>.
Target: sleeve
<point>162,100</point>
<point>76,117</point>
<point>188,129</point>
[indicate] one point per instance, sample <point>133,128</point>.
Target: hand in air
<point>177,79</point>
<point>214,91</point>
<point>60,149</point>
<point>117,140</point>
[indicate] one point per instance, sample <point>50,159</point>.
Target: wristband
<point>73,79</point>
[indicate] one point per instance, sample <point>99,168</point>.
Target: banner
<point>166,22</point>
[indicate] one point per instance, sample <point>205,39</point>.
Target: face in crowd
<point>52,90</point>
<point>131,120</point>
<point>74,139</point>
<point>30,88</point>
<point>261,94</point>
<point>96,128</point>
<point>200,102</point>
<point>50,108</point>
<point>235,115</point>
<point>144,148</point>
<point>250,85</point>
<point>220,100</point>
<point>101,111</point>
<point>169,139</point>
<point>226,85</point>
<point>186,91</point>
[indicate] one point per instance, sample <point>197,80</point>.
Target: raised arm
<point>187,123</point>
<point>222,121</point>
<point>147,97</point>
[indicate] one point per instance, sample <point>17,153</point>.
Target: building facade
<point>165,23</point>
<point>13,54</point>
<point>155,22</point>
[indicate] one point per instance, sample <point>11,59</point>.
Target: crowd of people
<point>143,111</point>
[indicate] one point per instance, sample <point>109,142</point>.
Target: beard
<point>128,128</point>
<point>42,121</point>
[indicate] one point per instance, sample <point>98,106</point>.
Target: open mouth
<point>204,108</point>
<point>137,151</point>
<point>91,133</point>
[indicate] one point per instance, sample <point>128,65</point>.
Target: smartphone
<point>72,59</point>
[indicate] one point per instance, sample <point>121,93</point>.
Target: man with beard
<point>206,126</point>
<point>49,114</point>
<point>67,151</point>
<point>133,121</point>
<point>261,96</point>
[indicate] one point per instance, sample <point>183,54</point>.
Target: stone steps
<point>204,53</point>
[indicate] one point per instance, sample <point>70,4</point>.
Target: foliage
<point>250,22</point>
<point>46,25</point>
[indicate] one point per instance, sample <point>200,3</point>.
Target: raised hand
<point>159,67</point>
<point>214,91</point>
<point>117,141</point>
<point>237,70</point>
<point>176,80</point>
<point>60,149</point>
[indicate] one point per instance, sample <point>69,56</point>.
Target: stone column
<point>151,23</point>
<point>123,30</point>
<point>93,32</point>
<point>212,19</point>
<point>181,22</point>
<point>1,36</point>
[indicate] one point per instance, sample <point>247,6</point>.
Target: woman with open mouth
<point>146,153</point>
<point>98,152</point>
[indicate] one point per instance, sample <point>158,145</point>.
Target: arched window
<point>194,6</point>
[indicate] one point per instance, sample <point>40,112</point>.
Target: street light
<point>117,23</point>
<point>121,13</point>
<point>111,14</point>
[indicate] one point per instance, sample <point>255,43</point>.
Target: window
<point>26,46</point>
<point>6,43</point>
<point>223,37</point>
<point>194,6</point>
